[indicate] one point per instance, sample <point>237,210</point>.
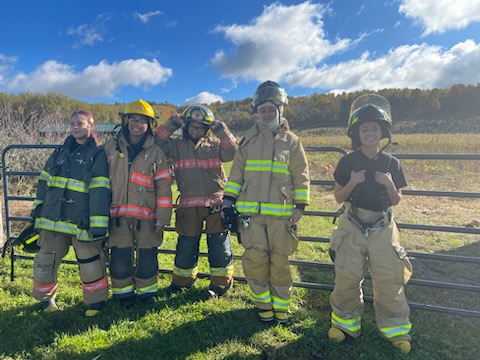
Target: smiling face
<point>267,113</point>
<point>196,129</point>
<point>80,127</point>
<point>370,133</point>
<point>137,126</point>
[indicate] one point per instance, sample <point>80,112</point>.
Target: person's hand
<point>357,177</point>
<point>159,227</point>
<point>383,178</point>
<point>227,203</point>
<point>297,214</point>
<point>216,124</point>
<point>178,119</point>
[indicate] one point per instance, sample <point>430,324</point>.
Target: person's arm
<point>228,143</point>
<point>164,131</point>
<point>163,192</point>
<point>385,179</point>
<point>342,193</point>
<point>100,196</point>
<point>42,186</point>
<point>299,171</point>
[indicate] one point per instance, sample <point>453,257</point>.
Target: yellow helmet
<point>140,107</point>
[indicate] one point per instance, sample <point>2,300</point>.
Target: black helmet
<point>199,113</point>
<point>269,91</point>
<point>27,240</point>
<point>370,107</point>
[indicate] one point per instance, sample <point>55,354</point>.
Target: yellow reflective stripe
<point>222,271</point>
<point>57,181</point>
<point>185,272</point>
<point>147,289</point>
<point>63,227</point>
<point>280,304</point>
<point>233,187</point>
<point>302,194</point>
<point>263,298</point>
<point>280,167</point>
<point>44,175</point>
<point>352,325</point>
<point>37,202</point>
<point>247,206</point>
<point>264,208</point>
<point>277,210</point>
<point>77,185</point>
<point>99,221</point>
<point>393,331</point>
<point>99,182</point>
<point>125,290</point>
<point>267,165</point>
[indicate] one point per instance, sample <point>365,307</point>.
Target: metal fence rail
<point>7,173</point>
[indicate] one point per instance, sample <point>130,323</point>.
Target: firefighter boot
<point>49,306</point>
<point>403,345</point>
<point>336,334</point>
<point>94,309</point>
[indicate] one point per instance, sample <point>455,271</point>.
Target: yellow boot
<point>403,345</point>
<point>336,334</point>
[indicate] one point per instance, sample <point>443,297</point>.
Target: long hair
<point>90,120</point>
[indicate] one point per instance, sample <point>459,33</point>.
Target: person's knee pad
<point>90,269</point>
<point>186,255</point>
<point>147,263</point>
<point>121,262</point>
<point>219,249</point>
<point>43,268</point>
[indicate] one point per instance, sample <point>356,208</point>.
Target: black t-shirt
<point>367,195</point>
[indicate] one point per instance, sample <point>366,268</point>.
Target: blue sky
<point>186,51</point>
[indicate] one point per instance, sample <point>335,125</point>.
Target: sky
<point>203,51</point>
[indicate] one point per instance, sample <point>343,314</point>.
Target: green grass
<point>191,326</point>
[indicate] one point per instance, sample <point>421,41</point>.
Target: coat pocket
<point>403,267</point>
<point>336,240</point>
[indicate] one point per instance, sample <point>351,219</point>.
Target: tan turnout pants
<point>389,267</point>
<point>268,242</point>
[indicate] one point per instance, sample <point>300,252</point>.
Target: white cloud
<point>95,81</point>
<point>90,34</point>
<point>6,64</point>
<point>265,49</point>
<point>410,66</point>
<point>204,98</point>
<point>145,18</point>
<point>439,16</point>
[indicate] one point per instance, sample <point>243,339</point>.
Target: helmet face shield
<point>370,107</point>
<point>199,113</point>
<point>269,91</point>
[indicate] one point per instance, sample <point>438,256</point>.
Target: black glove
<point>230,219</point>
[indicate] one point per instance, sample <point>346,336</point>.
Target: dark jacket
<point>73,194</point>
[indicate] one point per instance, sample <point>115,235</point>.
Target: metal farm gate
<point>472,261</point>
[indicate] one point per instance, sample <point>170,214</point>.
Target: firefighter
<point>269,186</point>
<point>368,183</point>
<point>141,205</point>
<point>197,161</point>
<point>71,207</point>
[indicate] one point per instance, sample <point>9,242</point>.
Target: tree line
<point>455,109</point>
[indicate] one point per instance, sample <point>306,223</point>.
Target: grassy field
<point>192,326</point>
